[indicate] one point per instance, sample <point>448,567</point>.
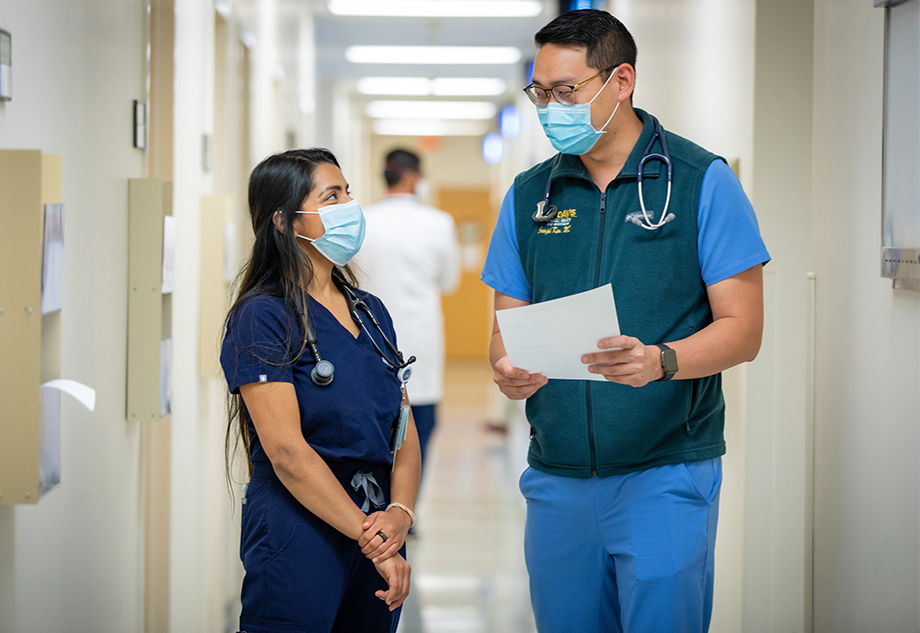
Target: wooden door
<point>468,311</point>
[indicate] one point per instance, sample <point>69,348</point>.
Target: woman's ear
<point>278,219</point>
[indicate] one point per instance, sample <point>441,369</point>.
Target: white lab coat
<point>411,256</point>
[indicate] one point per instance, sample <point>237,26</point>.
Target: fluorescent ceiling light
<point>438,8</point>
<point>422,86</point>
<point>430,110</point>
<point>428,127</point>
<point>433,54</point>
<point>457,86</point>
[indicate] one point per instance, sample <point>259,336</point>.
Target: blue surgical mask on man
<point>568,127</point>
<point>344,225</point>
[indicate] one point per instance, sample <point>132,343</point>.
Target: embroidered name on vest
<point>562,223</point>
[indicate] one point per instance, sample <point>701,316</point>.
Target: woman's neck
<point>322,286</point>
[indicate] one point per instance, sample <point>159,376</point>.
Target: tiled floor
<point>467,560</point>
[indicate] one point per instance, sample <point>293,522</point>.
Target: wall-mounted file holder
<point>30,344</point>
<point>149,309</point>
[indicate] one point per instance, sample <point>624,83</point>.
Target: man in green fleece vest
<point>623,485</point>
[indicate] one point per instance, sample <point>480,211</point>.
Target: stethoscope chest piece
<point>322,373</point>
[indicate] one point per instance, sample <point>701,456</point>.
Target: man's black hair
<point>398,162</point>
<point>607,41</point>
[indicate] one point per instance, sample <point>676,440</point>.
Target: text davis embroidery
<point>562,223</point>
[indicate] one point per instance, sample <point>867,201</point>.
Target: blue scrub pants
<point>302,575</point>
<point>627,554</point>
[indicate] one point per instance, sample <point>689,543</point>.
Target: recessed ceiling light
<point>430,110</point>
<point>438,8</point>
<point>428,127</point>
<point>433,54</point>
<point>422,86</point>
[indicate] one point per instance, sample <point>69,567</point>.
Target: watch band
<point>668,362</point>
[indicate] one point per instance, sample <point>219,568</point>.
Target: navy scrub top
<point>346,422</point>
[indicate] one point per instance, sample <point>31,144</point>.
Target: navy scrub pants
<point>302,575</point>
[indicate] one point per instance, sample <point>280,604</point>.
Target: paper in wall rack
<point>6,66</point>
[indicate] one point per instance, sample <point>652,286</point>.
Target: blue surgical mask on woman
<point>344,225</point>
<point>568,127</point>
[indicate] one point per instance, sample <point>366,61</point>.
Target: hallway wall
<point>75,561</point>
<point>794,91</point>
<point>867,392</point>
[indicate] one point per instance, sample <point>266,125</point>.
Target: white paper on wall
<point>49,464</point>
<point>169,253</point>
<point>52,258</point>
<point>83,394</point>
<point>165,377</point>
<point>49,458</point>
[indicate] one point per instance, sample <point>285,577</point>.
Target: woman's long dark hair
<point>278,266</point>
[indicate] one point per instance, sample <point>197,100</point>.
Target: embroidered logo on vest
<point>562,223</point>
<point>636,216</point>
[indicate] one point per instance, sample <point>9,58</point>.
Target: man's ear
<point>278,219</point>
<point>626,81</point>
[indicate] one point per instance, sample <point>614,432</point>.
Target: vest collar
<point>571,166</point>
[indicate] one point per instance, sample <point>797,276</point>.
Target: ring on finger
<point>382,535</point>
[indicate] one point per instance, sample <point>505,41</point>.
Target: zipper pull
<point>604,202</point>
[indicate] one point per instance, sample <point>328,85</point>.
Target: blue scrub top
<point>347,421</point>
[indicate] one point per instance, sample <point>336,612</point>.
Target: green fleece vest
<point>581,428</point>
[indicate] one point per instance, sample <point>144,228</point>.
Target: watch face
<point>669,361</point>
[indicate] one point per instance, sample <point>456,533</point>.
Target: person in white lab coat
<point>410,257</point>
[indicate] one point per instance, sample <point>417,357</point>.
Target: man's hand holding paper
<point>552,338</point>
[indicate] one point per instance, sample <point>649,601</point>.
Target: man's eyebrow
<point>567,81</point>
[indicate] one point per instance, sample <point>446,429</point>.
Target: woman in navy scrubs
<point>325,513</point>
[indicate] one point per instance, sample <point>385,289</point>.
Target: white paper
<point>550,337</point>
<point>81,393</point>
<point>169,253</point>
<point>165,377</point>
<point>52,258</point>
<point>49,458</point>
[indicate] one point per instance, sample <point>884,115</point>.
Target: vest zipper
<point>597,275</point>
<point>600,239</point>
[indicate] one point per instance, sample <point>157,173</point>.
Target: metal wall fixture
<point>903,266</point>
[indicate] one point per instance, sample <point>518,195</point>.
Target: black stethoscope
<point>323,372</point>
<point>546,212</point>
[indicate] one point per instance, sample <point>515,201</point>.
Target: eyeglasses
<point>564,94</point>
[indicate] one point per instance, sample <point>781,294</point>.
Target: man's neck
<point>605,161</point>
<point>400,188</point>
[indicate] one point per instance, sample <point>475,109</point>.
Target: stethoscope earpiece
<point>323,373</point>
<point>540,217</point>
